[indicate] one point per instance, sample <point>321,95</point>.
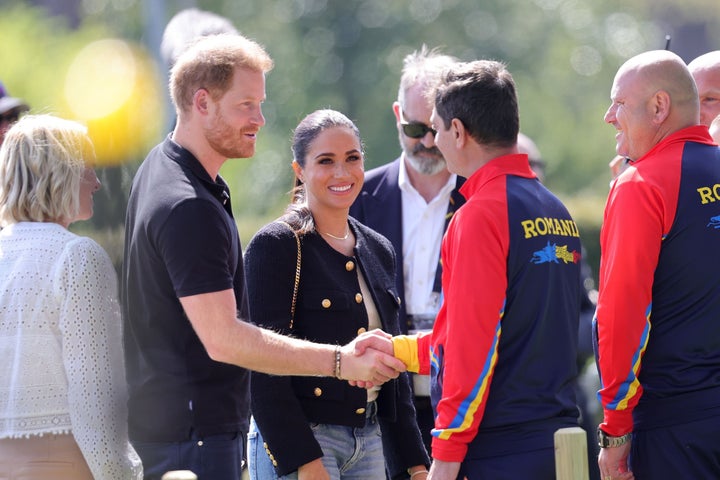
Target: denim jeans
<point>349,453</point>
<point>215,457</point>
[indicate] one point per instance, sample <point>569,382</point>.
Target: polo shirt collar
<point>186,159</point>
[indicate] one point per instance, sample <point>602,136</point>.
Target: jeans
<point>259,465</point>
<point>214,457</point>
<point>350,453</point>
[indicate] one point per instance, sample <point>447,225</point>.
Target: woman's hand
<point>418,472</point>
<point>314,470</point>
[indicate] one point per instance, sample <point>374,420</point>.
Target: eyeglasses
<point>415,129</point>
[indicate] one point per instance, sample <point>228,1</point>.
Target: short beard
<point>431,163</point>
<point>227,141</point>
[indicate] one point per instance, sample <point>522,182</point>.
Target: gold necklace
<point>347,234</point>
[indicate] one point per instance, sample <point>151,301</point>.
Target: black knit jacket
<point>329,309</point>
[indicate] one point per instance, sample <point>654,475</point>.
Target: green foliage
<point>347,55</point>
<point>36,51</point>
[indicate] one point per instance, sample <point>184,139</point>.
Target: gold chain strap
<point>297,274</point>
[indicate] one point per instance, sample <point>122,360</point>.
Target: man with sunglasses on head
<point>10,110</point>
<point>410,201</point>
<point>502,351</point>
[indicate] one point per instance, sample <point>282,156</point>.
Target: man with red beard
<point>410,201</point>
<point>184,302</point>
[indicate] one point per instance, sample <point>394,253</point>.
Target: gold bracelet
<point>418,473</point>
<point>337,362</point>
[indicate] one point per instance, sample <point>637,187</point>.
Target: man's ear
<point>396,111</point>
<point>457,129</point>
<point>200,101</point>
<point>660,104</point>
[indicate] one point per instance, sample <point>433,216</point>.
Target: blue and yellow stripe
<point>629,387</point>
<point>466,411</point>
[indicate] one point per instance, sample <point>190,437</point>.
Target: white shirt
<point>373,322</point>
<point>62,367</point>
<point>423,226</point>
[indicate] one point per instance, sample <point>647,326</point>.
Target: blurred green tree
<point>347,55</point>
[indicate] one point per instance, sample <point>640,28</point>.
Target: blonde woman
<point>62,382</point>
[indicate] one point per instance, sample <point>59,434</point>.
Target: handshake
<point>369,360</point>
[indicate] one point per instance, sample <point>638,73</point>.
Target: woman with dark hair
<point>318,274</point>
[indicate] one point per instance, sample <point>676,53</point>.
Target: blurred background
<point>98,61</point>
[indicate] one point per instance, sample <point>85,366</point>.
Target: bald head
<point>653,95</point>
<point>663,70</point>
<point>705,69</point>
<point>709,60</point>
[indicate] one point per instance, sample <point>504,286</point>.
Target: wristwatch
<point>606,441</point>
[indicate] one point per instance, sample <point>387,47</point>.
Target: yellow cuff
<point>406,350</point>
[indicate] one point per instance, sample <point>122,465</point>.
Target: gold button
<point>361,330</point>
<point>399,300</point>
<point>360,411</point>
<point>317,391</point>
<point>274,462</point>
<point>200,443</point>
<point>270,456</point>
<point>265,445</point>
<point>326,303</point>
<point>349,266</point>
<point>358,297</point>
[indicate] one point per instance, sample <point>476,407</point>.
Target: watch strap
<point>607,441</point>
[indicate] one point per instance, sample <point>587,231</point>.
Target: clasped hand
<point>369,360</point>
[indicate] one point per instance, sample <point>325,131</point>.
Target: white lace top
<point>62,367</point>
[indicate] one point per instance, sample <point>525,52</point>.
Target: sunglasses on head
<point>415,129</point>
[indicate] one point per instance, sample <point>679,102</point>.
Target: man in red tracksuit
<point>657,320</point>
<point>503,348</point>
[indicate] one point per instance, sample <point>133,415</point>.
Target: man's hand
<point>613,463</point>
<point>368,360</point>
<point>440,470</point>
<point>376,339</point>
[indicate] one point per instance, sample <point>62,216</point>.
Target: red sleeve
<point>630,241</point>
<point>424,344</point>
<point>475,282</point>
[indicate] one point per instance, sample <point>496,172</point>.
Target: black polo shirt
<point>180,240</point>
